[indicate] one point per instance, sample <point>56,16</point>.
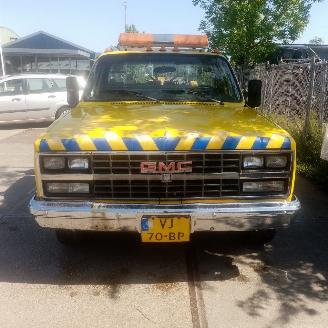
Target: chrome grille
<point>201,183</point>
<point>156,189</point>
<point>203,163</point>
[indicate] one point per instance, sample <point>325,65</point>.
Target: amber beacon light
<point>163,40</point>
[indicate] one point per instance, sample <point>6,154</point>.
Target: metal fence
<point>295,90</point>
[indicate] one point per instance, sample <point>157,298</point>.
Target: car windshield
<point>162,77</point>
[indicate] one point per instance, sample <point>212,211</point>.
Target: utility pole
<point>2,60</point>
<point>307,124</point>
<point>125,5</point>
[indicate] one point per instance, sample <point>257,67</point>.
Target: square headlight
<point>276,162</point>
<point>253,162</point>
<point>54,163</point>
<point>67,188</point>
<point>78,163</point>
<point>263,186</point>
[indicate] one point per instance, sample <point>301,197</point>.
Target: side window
<point>11,88</point>
<point>60,84</point>
<point>37,86</point>
<point>49,85</point>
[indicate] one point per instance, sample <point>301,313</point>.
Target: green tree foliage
<point>316,40</point>
<point>248,29</point>
<point>131,28</point>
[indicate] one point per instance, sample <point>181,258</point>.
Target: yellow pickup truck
<point>163,144</point>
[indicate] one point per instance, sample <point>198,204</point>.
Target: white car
<point>33,97</point>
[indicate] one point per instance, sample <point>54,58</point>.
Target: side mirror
<point>72,87</point>
<point>254,93</point>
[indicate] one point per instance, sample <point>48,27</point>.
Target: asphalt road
<point>115,281</point>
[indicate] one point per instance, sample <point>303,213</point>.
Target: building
<point>42,52</point>
<point>299,52</point>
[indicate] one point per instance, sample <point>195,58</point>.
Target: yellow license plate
<point>163,229</point>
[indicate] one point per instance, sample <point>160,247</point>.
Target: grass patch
<point>309,163</point>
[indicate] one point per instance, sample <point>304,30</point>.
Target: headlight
<point>54,163</point>
<point>78,163</point>
<point>276,162</point>
<point>67,188</point>
<point>263,186</point>
<point>253,162</point>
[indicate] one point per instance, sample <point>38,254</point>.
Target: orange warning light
<point>135,39</point>
<point>163,40</point>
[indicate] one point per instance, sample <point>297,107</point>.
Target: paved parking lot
<point>114,281</point>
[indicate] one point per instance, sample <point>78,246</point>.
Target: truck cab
<point>163,144</point>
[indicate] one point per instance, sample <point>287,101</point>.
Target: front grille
<point>156,189</point>
<point>203,163</point>
<point>196,184</point>
<point>214,175</point>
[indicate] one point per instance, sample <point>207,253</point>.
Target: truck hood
<point>149,126</point>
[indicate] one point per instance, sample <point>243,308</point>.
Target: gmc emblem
<point>161,167</point>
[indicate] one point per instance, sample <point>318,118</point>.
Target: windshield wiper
<point>132,92</point>
<point>200,92</point>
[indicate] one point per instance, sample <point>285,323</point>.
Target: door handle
<point>16,99</point>
<point>52,96</point>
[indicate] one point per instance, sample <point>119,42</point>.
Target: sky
<point>96,24</point>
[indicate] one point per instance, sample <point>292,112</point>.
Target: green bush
<point>309,163</point>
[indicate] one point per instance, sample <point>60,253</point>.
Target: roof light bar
<point>163,40</point>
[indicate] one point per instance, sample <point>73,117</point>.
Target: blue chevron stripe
<point>166,144</point>
<point>132,144</point>
<point>287,144</point>
<point>101,144</point>
<point>260,143</point>
<point>71,145</point>
<point>44,146</point>
<point>200,143</point>
<point>231,143</point>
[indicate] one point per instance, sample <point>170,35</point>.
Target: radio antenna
<point>125,5</point>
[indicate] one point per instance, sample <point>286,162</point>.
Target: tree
<point>316,40</point>
<point>131,28</point>
<point>248,29</point>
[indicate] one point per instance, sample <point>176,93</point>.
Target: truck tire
<point>69,237</point>
<point>61,111</point>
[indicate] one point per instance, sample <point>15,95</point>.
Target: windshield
<point>162,77</point>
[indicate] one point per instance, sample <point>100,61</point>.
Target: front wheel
<point>69,237</point>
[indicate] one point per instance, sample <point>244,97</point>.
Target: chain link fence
<point>294,90</point>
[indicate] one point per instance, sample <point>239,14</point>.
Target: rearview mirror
<point>254,93</point>
<point>72,87</point>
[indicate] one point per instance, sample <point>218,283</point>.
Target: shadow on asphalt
<point>28,125</point>
<point>294,267</point>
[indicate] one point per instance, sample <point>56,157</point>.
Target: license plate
<point>156,229</point>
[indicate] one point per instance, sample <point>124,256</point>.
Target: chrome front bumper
<point>92,216</point>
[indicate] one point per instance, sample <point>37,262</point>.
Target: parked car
<point>34,97</point>
<point>164,145</point>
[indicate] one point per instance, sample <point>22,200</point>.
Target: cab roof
<point>167,51</point>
